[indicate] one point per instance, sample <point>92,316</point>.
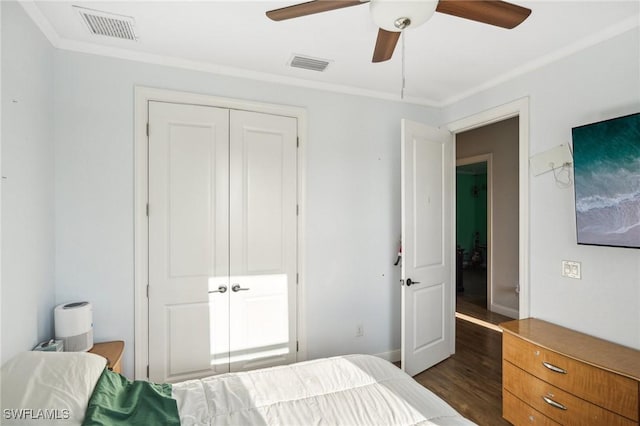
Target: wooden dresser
<point>552,375</point>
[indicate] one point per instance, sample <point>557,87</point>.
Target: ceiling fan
<point>393,16</point>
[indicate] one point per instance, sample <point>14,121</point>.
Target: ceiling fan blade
<point>310,8</point>
<point>385,45</point>
<point>493,12</point>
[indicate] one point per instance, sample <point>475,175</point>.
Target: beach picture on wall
<point>606,158</point>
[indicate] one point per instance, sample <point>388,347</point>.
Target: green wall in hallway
<point>471,211</point>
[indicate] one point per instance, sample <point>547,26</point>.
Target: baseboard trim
<point>503,310</point>
<point>391,356</point>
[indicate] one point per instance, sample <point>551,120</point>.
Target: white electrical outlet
<point>571,269</point>
<point>359,330</point>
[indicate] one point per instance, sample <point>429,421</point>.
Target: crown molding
<point>169,61</point>
<point>58,42</point>
<point>89,48</point>
<point>41,21</point>
<point>597,38</point>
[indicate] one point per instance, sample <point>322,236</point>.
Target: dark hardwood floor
<point>465,307</point>
<point>471,380</point>
<point>474,285</point>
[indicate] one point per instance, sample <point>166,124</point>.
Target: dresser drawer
<point>555,403</point>
<point>518,413</point>
<point>611,391</point>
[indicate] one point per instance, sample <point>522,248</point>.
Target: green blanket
<point>118,401</point>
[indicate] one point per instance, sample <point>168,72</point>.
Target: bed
<point>75,388</point>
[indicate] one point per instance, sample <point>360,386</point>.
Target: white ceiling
<point>446,59</point>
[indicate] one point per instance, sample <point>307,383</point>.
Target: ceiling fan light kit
<point>394,16</point>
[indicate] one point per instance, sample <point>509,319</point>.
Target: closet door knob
<point>236,288</point>
<point>221,289</point>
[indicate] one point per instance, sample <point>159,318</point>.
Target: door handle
<point>221,289</point>
<point>236,288</point>
<point>409,282</point>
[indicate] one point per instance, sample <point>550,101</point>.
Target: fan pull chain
<point>403,79</point>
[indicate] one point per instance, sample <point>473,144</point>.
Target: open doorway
<point>487,220</point>
<point>473,191</point>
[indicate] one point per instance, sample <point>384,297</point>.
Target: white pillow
<point>48,387</point>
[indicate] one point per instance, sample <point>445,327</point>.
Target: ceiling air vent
<point>308,63</point>
<point>108,24</point>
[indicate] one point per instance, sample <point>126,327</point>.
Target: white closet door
<point>188,241</point>
<point>263,235</point>
<point>222,240</point>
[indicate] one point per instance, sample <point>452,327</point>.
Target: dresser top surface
<point>591,350</point>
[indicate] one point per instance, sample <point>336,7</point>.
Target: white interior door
<point>222,240</point>
<point>263,235</point>
<point>427,267</point>
<point>188,241</point>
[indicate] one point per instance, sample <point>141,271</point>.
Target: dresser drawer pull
<point>554,368</point>
<point>552,403</point>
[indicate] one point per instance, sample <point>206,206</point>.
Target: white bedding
<point>51,388</point>
<point>348,390</point>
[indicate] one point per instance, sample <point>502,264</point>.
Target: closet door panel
<point>189,200</point>
<point>188,241</point>
<point>264,209</point>
<point>263,239</point>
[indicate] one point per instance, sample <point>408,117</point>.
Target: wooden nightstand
<point>112,351</point>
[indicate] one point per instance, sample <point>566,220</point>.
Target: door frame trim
<point>142,96</point>
<point>517,108</point>
<point>485,158</point>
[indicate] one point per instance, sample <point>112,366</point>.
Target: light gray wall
<point>352,209</point>
<point>501,140</point>
<point>352,185</point>
<point>27,191</point>
<point>597,83</point>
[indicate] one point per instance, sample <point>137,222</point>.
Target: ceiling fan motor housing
<point>396,15</point>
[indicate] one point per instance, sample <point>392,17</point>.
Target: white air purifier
<point>74,326</point>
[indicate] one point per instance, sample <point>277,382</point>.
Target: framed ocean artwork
<point>606,165</point>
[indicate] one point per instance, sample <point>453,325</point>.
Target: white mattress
<point>348,390</point>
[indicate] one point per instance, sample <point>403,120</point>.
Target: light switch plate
<point>571,269</point>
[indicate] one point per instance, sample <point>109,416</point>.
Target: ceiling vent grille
<point>308,63</point>
<point>108,24</point>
